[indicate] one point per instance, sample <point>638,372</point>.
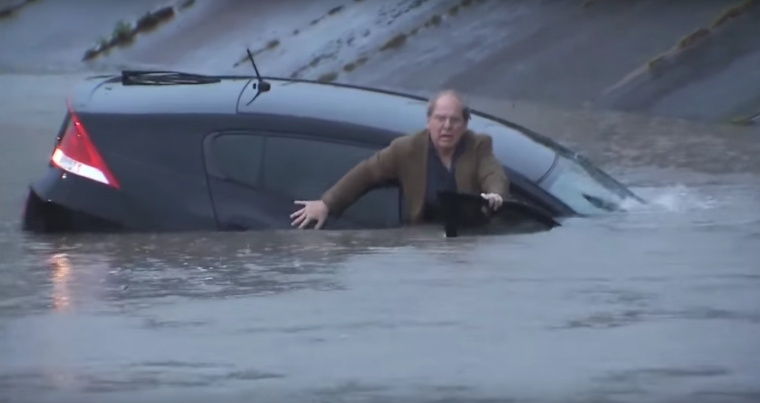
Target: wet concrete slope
<point>711,74</point>
<point>548,50</point>
<point>558,52</point>
<point>52,36</point>
<point>605,54</point>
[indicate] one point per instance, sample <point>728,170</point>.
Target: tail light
<point>76,153</point>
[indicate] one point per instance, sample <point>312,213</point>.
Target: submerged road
<point>660,304</point>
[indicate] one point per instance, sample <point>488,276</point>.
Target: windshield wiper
<point>132,77</point>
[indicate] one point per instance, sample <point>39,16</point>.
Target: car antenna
<point>260,85</point>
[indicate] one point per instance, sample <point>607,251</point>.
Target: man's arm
<point>491,174</point>
<point>377,169</point>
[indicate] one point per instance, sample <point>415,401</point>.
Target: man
<point>445,156</point>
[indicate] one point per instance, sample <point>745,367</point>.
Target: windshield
<point>584,188</point>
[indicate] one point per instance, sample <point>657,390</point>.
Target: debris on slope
<point>400,39</point>
<point>125,32</point>
<point>352,36</point>
<point>273,43</point>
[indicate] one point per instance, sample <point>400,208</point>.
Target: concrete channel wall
<point>698,60</point>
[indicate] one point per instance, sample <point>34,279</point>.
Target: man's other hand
<point>315,210</point>
<point>494,200</point>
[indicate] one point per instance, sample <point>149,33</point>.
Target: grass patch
<point>147,22</point>
<point>122,34</point>
<point>355,64</point>
<point>315,61</point>
<point>151,20</point>
<point>349,67</point>
<point>328,77</point>
<point>395,42</point>
<point>269,46</point>
<point>692,38</point>
<point>102,43</point>
<point>335,10</point>
<point>186,4</point>
<point>312,64</point>
<point>90,54</point>
<point>656,62</point>
<point>466,3</point>
<point>731,13</point>
<point>11,10</point>
<point>332,11</point>
<point>434,21</point>
<point>454,10</point>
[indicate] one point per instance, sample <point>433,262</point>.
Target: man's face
<point>446,123</point>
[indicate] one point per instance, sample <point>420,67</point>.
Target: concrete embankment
<point>684,59</point>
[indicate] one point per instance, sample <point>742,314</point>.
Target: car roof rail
<point>260,85</point>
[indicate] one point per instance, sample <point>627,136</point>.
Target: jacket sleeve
<point>381,167</point>
<point>491,175</point>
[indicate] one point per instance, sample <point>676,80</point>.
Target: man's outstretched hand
<point>494,200</point>
<point>314,210</point>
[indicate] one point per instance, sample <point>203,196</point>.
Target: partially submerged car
<point>172,151</point>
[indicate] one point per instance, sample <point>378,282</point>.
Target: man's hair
<point>452,93</point>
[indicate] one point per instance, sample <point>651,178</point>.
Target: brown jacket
<point>405,160</point>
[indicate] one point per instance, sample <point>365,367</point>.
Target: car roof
<point>384,110</point>
<point>106,94</point>
<point>525,151</point>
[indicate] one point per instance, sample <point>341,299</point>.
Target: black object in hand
<point>464,209</point>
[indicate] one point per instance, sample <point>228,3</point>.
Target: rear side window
<point>304,169</point>
<point>238,158</point>
<point>307,168</point>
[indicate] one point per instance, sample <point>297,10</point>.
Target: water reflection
<point>60,275</point>
<point>124,269</point>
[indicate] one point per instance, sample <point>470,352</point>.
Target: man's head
<point>447,119</point>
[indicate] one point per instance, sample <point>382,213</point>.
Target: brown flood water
<point>659,304</point>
